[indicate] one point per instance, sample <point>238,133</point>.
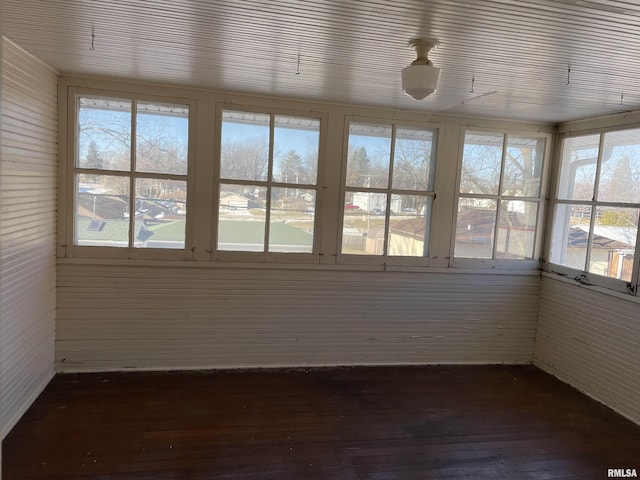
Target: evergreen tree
<point>292,168</point>
<point>93,158</point>
<point>358,168</point>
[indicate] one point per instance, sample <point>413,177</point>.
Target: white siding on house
<point>118,317</point>
<point>28,180</point>
<point>590,340</point>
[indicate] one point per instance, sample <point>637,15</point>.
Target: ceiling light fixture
<point>420,79</point>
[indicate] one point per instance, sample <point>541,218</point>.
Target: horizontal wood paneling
<point>27,231</point>
<point>113,317</point>
<point>590,340</point>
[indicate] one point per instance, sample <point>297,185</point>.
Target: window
<point>388,190</point>
<point>595,226</point>
<point>268,182</point>
<point>499,197</point>
<point>130,173</point>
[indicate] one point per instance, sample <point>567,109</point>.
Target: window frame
<point>541,200</point>
<point>385,259</point>
<point>582,276</point>
<point>240,256</point>
<point>69,248</point>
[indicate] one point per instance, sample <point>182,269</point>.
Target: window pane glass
<point>516,229</point>
<point>409,227</point>
<point>620,168</point>
<point>242,218</point>
<point>104,133</point>
<point>102,210</point>
<point>570,235</point>
<point>364,225</point>
<point>475,228</point>
<point>523,166</point>
<point>481,160</point>
<point>614,242</point>
<point>369,154</point>
<point>245,146</point>
<point>162,138</point>
<point>578,170</point>
<point>291,220</point>
<point>412,156</point>
<point>161,209</point>
<point>295,150</point>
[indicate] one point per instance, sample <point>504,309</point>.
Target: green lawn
<point>168,231</point>
<point>113,230</point>
<point>230,231</point>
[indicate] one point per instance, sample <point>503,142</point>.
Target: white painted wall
<point>590,340</point>
<point>28,179</point>
<point>117,317</point>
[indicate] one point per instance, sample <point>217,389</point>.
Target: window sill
<point>596,288</point>
<point>290,266</point>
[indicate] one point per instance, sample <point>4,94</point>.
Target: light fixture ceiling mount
<point>420,79</point>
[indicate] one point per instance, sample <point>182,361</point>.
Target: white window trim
<point>581,276</point>
<point>268,257</point>
<point>203,178</point>
<point>389,260</point>
<point>510,264</point>
<point>67,181</point>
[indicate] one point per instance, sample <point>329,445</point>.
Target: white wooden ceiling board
<point>353,51</point>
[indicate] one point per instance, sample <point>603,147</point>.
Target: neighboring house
<point>233,201</point>
<point>370,202</point>
<point>406,237</point>
<point>612,250</point>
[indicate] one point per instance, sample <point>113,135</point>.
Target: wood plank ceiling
<point>517,53</point>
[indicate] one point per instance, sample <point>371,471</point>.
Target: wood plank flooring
<point>379,423</point>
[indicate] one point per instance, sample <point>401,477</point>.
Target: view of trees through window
<point>131,167</point>
<point>389,190</point>
<point>131,170</point>
<point>268,182</point>
<point>499,197</point>
<point>595,223</point>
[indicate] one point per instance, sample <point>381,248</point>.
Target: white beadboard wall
<point>119,317</point>
<point>591,340</point>
<point>28,183</point>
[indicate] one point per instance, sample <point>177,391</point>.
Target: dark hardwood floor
<point>445,422</point>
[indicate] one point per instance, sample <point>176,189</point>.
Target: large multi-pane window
<point>131,163</point>
<point>389,190</point>
<point>499,199</point>
<point>595,226</point>
<point>268,182</point>
<point>267,191</point>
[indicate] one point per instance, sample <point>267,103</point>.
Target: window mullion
<point>635,273</point>
<point>592,222</point>
<point>496,227</point>
<point>594,204</point>
<point>596,181</point>
<point>387,226</point>
<point>132,180</point>
<point>267,213</point>
<point>392,156</point>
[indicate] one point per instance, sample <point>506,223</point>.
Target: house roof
<point>411,227</point>
<point>539,60</point>
<point>604,236</point>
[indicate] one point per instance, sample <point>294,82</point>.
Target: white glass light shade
<point>420,81</point>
